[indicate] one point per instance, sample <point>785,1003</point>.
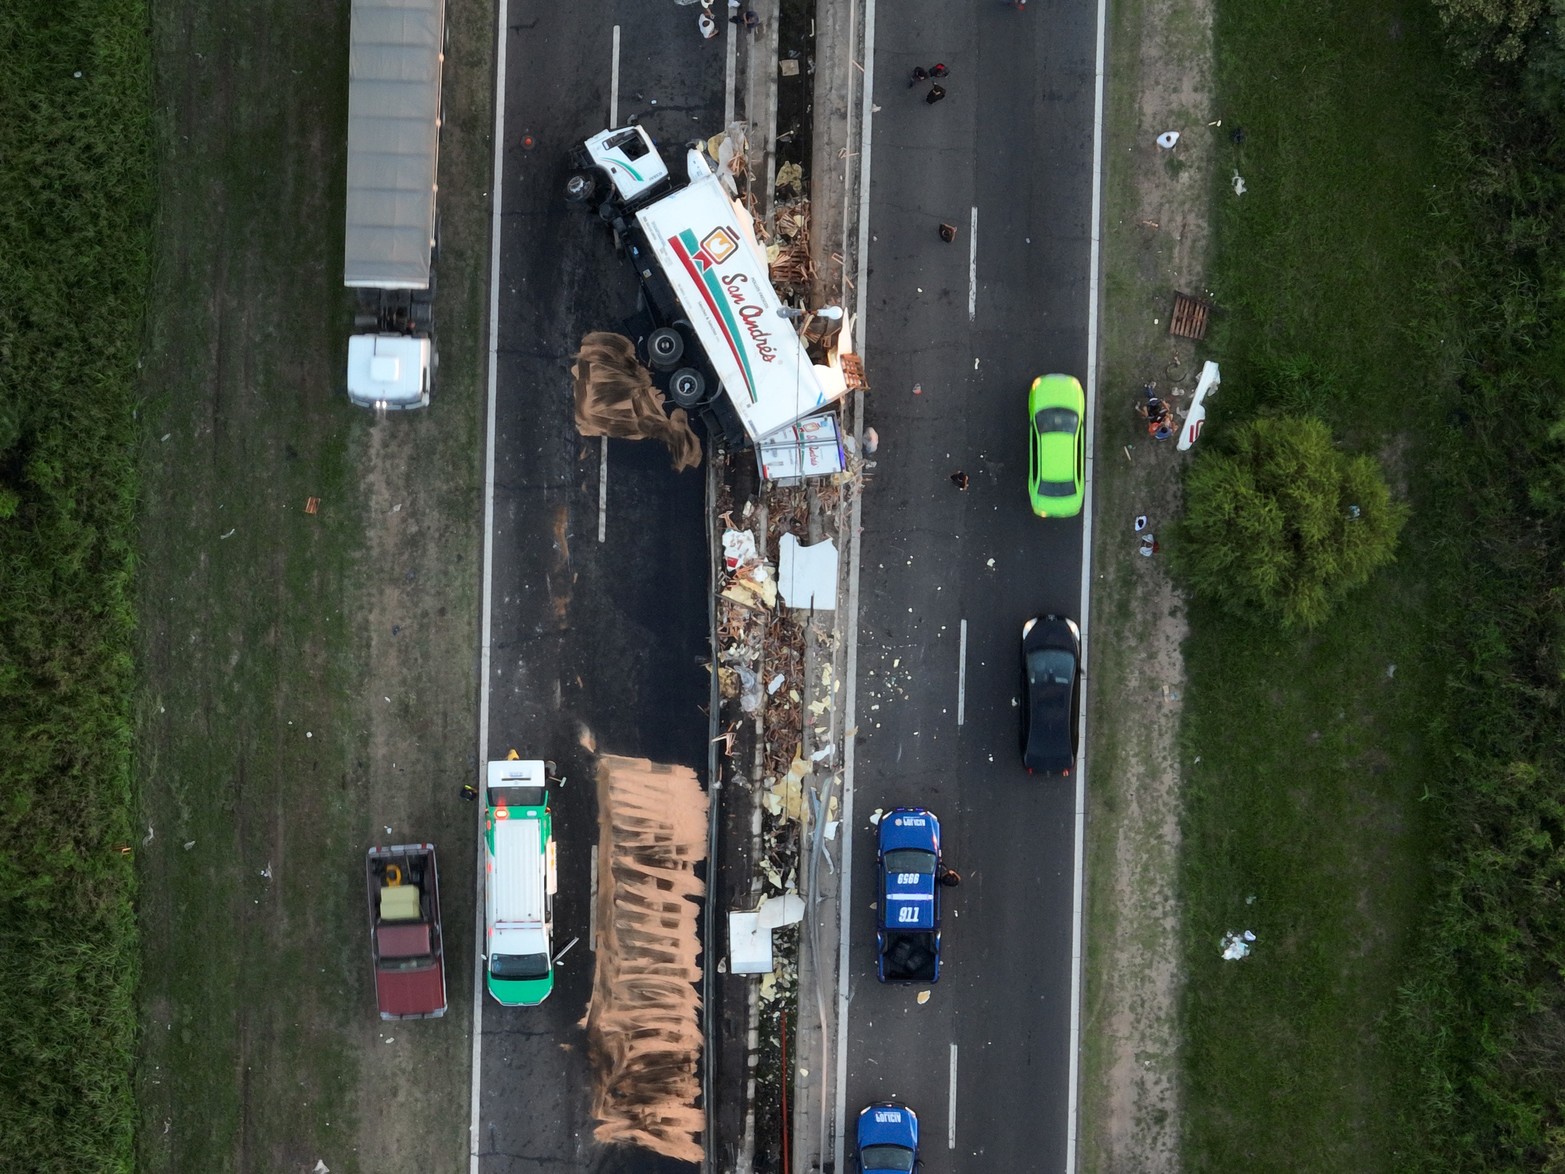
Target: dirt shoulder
<point>1155,242</point>
<point>307,617</point>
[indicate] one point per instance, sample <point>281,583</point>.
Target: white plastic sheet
<point>807,575</point>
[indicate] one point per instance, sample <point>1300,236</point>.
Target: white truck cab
<point>630,161</point>
<point>389,371</point>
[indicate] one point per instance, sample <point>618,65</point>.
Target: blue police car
<point>907,931</point>
<point>888,1138</point>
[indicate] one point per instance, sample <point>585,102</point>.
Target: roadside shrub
<point>1284,524</point>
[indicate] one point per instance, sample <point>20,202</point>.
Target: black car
<point>1051,684</point>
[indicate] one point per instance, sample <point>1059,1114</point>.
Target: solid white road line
<point>1094,293</point>
<point>603,442</point>
<point>850,711</point>
<point>961,678</point>
<point>951,1106</point>
<point>487,607</point>
<point>614,82</point>
<point>972,267</point>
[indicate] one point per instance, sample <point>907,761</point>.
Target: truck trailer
<point>721,342</point>
<point>395,58</point>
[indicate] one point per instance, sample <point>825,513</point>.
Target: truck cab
<point>390,372</point>
<point>907,866</point>
<point>623,162</point>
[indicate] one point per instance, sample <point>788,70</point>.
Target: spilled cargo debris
<point>643,1021</point>
<point>615,397</point>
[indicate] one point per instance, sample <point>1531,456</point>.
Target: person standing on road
<point>938,70</point>
<point>936,92</point>
<point>959,479</point>
<point>920,74</point>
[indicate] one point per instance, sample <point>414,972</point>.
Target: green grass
<point>267,737</point>
<point>1307,759</point>
<point>75,180</point>
<point>242,729</point>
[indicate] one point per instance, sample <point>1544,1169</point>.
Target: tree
<point>1497,27</point>
<point>1282,523</point>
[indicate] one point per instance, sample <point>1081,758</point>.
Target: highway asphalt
<point>956,333</point>
<point>608,637</point>
<point>586,636</point>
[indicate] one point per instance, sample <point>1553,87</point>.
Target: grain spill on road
<point>643,1022</point>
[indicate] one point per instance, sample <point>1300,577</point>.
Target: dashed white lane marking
<point>603,487</point>
<point>961,678</point>
<point>951,1107</point>
<point>972,267</point>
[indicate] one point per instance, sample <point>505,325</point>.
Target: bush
<point>1283,523</point>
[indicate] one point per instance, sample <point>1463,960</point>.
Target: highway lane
<point>1010,152</point>
<point>609,637</point>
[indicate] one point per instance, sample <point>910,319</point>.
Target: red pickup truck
<point>405,942</point>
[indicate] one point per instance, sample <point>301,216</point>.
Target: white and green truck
<point>520,880</point>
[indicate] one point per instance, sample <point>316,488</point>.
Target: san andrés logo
<point>751,315</point>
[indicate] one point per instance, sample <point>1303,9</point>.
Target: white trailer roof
<point>722,283</point>
<point>394,61</point>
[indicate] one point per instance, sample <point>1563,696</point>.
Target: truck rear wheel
<point>665,347</point>
<point>687,387</point>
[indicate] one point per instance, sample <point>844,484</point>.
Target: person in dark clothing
<point>938,70</point>
<point>469,792</point>
<point>947,876</point>
<point>920,74</point>
<point>948,233</point>
<point>936,92</point>
<point>959,479</point>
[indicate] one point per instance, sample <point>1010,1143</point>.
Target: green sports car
<point>1057,447</point>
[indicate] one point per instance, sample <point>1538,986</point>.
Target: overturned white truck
<point>395,58</point>
<point>720,341</point>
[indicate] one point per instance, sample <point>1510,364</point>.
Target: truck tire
<point>581,187</point>
<point>687,388</point>
<point>665,347</point>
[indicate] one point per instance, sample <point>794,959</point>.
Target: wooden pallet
<point>1190,318</point>
<point>853,371</point>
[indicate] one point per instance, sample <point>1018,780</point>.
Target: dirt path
<point>1155,243</point>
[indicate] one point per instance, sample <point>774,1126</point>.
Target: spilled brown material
<point>615,397</point>
<point>644,1023</point>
